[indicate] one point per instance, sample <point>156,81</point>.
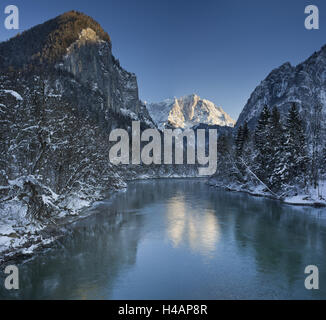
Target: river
<point>181,239</point>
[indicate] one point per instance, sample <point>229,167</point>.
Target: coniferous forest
<point>282,156</point>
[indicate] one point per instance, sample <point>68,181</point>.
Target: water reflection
<point>85,264</point>
<point>194,228</point>
<point>180,239</point>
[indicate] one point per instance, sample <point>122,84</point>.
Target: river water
<point>181,239</point>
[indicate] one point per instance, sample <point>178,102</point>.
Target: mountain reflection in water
<point>192,227</point>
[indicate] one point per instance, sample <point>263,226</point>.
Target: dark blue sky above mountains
<point>220,50</point>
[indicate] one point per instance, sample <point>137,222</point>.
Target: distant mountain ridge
<point>304,84</point>
<point>187,112</point>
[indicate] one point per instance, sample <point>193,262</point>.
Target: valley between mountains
<point>61,94</point>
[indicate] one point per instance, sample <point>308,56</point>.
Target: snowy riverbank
<point>311,197</point>
<point>21,237</point>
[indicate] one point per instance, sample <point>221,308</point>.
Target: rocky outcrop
<point>76,44</point>
<point>304,84</point>
<point>91,62</point>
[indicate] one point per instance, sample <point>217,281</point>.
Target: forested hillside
<point>282,158</point>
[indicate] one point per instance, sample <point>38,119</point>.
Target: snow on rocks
<point>187,112</point>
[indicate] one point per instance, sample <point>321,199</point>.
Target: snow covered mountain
<point>304,84</point>
<point>187,112</point>
<point>61,93</point>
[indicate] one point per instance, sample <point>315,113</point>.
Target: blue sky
<point>220,50</point>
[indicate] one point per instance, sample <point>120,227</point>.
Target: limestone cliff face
<point>91,61</point>
<point>75,43</point>
<point>304,84</point>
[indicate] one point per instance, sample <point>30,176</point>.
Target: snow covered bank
<point>312,197</point>
<point>18,234</point>
<point>21,236</point>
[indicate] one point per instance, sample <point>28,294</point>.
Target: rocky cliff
<point>76,44</point>
<point>90,60</point>
<point>304,84</point>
